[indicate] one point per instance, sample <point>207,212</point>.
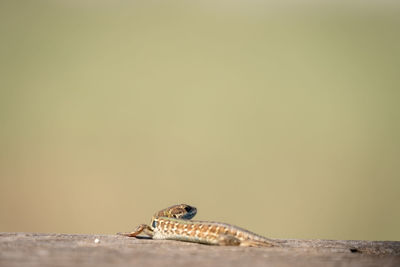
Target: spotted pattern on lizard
<point>175,223</point>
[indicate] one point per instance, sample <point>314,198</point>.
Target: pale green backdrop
<point>281,117</point>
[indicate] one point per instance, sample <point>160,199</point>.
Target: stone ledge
<point>36,249</point>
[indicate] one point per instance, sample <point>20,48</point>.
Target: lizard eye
<point>188,209</point>
<point>154,224</point>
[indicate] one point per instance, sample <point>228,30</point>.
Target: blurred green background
<point>280,117</point>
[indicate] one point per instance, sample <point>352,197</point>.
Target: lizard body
<point>175,223</point>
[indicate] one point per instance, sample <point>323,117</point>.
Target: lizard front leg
<point>141,228</point>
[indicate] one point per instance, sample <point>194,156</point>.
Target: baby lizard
<point>175,223</point>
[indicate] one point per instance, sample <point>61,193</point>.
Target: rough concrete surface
<point>33,249</point>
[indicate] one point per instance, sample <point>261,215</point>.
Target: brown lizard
<point>175,223</point>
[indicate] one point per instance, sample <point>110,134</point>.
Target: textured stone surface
<point>31,249</point>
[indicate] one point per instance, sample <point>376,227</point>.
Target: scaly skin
<point>175,223</point>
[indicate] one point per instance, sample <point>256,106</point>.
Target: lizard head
<point>181,211</point>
